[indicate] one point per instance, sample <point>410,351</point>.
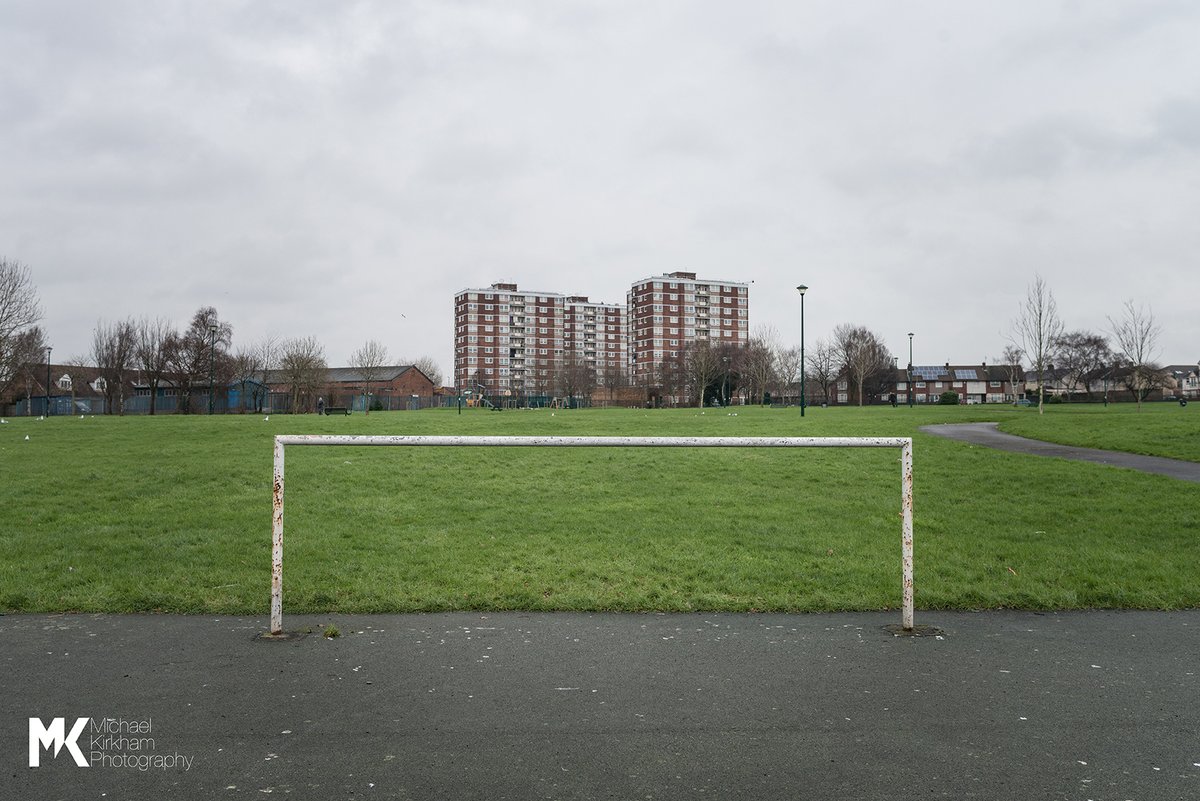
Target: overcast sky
<point>342,169</point>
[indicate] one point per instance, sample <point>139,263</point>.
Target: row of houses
<point>85,390</point>
<point>985,383</point>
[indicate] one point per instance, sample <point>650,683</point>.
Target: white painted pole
<point>906,514</point>
<point>277,542</point>
<point>600,442</point>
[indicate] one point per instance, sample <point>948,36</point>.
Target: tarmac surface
<point>998,705</point>
<point>989,435</point>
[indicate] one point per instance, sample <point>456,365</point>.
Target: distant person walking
<point>320,406</point>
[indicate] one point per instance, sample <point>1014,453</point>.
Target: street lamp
<point>48,349</point>
<point>725,383</point>
<point>803,398</point>
<point>212,349</point>
<point>910,375</point>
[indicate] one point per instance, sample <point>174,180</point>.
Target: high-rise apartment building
<point>666,313</point>
<point>594,338</point>
<point>514,343</point>
<point>509,342</point>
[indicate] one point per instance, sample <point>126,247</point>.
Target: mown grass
<point>1159,429</point>
<point>172,514</point>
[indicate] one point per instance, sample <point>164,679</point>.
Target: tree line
<point>159,354</point>
<point>1076,358</point>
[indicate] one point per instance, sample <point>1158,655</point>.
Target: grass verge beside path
<point>1159,429</point>
<point>172,514</point>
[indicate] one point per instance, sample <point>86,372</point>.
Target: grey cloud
<point>1178,122</point>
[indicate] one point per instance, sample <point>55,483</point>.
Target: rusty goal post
<point>903,443</point>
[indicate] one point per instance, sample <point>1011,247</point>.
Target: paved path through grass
<point>989,435</point>
<point>464,706</point>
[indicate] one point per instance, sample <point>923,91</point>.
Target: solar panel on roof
<point>964,374</point>
<point>927,373</point>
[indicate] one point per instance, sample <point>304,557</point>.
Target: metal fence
<point>232,403</point>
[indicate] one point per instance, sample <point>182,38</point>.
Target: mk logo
<point>41,736</point>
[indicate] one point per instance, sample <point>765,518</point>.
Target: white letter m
<point>42,737</point>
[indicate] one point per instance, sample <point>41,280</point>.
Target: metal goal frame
<point>903,443</point>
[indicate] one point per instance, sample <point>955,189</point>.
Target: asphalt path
<point>999,705</point>
<point>989,435</point>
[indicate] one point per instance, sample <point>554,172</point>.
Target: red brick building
<point>509,342</point>
<point>669,312</point>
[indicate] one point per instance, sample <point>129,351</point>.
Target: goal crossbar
<point>903,443</point>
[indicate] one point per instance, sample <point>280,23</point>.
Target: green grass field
<point>172,514</point>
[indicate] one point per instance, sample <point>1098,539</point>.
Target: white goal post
<point>903,443</point>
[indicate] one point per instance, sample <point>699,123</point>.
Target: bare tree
<point>1137,335</point>
<point>252,368</point>
<point>862,356</point>
<point>758,367</point>
<point>369,361</point>
<point>576,378</point>
<point>1037,330</point>
<point>1011,359</point>
<point>823,366</point>
<point>303,369</point>
<point>113,350</point>
<point>154,340</point>
<point>1079,355</point>
<point>19,314</point>
<point>787,367</point>
<point>429,367</point>
<point>612,378</point>
<point>202,349</point>
<point>701,364</point>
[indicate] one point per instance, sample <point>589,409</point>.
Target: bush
<point>949,398</point>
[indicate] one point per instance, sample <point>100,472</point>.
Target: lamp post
<point>725,383</point>
<point>803,396</point>
<point>212,349</point>
<point>910,374</point>
<point>48,349</point>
